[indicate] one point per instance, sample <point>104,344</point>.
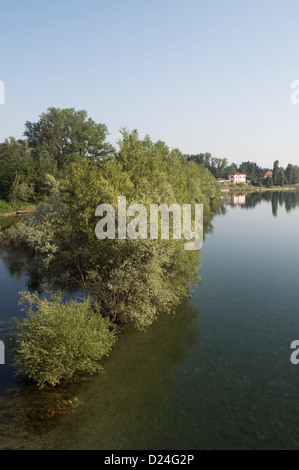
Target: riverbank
<point>257,189</point>
<point>20,212</point>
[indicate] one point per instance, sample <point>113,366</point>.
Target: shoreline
<point>19,213</point>
<point>259,190</point>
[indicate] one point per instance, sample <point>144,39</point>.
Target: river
<point>215,375</point>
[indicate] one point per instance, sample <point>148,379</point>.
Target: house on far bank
<point>268,174</point>
<point>233,178</point>
<point>236,178</point>
<point>223,182</point>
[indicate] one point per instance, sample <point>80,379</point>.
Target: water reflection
<point>235,199</point>
<point>20,263</point>
<point>289,200</point>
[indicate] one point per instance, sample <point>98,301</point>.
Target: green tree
<point>60,341</point>
<point>280,177</point>
<point>275,173</point>
<point>17,173</point>
<point>217,166</point>
<point>131,280</point>
<point>295,171</point>
<point>269,181</point>
<point>61,135</point>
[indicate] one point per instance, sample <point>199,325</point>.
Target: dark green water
<point>216,375</point>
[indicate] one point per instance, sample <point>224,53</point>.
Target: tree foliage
<point>60,137</point>
<point>131,280</point>
<point>16,171</point>
<point>63,134</point>
<point>60,341</point>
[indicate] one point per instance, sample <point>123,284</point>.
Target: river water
<point>216,375</point>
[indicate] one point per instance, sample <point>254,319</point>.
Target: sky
<point>202,75</point>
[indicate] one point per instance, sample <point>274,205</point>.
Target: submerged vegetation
<point>125,281</point>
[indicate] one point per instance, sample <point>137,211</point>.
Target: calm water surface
<point>216,375</point>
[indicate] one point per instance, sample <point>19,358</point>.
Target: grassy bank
<point>7,208</point>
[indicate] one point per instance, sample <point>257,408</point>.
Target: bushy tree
<point>131,280</point>
<point>61,135</point>
<point>60,341</point>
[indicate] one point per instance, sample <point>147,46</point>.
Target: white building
<point>239,200</point>
<point>235,178</point>
<point>233,199</point>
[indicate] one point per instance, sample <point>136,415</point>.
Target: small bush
<point>15,236</point>
<point>59,342</point>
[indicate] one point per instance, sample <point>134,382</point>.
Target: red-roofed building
<point>268,174</point>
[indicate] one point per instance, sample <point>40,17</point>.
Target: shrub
<point>59,342</point>
<point>14,236</point>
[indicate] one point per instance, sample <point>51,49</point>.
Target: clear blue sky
<point>202,75</point>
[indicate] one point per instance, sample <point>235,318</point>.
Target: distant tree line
<point>220,168</point>
<point>29,167</point>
